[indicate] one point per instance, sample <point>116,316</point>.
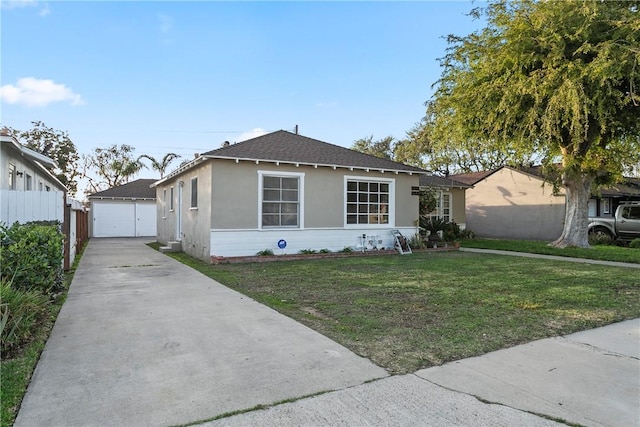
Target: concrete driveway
<point>144,340</point>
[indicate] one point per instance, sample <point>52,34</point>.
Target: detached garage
<point>125,211</point>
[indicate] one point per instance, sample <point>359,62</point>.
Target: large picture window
<point>281,196</point>
<point>368,202</point>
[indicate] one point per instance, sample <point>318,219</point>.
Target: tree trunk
<point>576,217</point>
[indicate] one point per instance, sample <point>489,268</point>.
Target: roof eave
<point>317,165</point>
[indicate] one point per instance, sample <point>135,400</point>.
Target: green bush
<point>635,243</point>
<point>307,251</point>
<point>21,312</point>
<point>32,256</point>
<point>346,250</point>
<point>265,252</point>
<point>324,251</point>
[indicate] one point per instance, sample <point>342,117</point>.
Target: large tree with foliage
<point>554,78</point>
<point>160,165</point>
<point>112,166</point>
<point>57,145</point>
<point>382,148</point>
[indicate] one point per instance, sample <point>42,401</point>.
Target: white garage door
<point>123,219</point>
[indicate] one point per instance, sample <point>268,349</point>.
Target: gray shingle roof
<point>138,189</point>
<point>439,181</point>
<point>283,146</point>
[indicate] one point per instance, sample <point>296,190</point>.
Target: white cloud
<point>326,104</point>
<point>19,4</point>
<point>253,133</point>
<point>34,92</point>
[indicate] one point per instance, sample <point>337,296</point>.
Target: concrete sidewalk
<point>552,257</point>
<point>591,378</point>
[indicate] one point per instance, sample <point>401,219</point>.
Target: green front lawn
<point>599,252</point>
<point>415,311</point>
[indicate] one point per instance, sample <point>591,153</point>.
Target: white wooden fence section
<point>25,206</point>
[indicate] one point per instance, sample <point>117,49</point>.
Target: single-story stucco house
<point>128,210</point>
<point>517,203</point>
<point>285,192</point>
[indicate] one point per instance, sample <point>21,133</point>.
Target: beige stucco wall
<point>196,223</point>
<point>228,200</point>
<point>514,205</point>
<point>235,194</point>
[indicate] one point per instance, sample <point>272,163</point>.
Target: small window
<point>12,176</point>
<point>171,199</point>
<point>194,192</point>
<point>606,206</point>
<point>28,182</point>
<point>40,186</point>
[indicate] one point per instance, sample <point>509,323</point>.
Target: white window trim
<point>300,176</point>
<point>606,205</point>
<point>171,201</point>
<point>392,201</point>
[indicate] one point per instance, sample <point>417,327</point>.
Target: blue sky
<point>184,77</point>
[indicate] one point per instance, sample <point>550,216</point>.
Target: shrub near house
<point>31,276</point>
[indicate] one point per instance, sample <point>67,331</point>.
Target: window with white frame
<point>171,199</point>
<point>40,186</point>
<point>28,182</point>
<point>281,200</point>
<point>194,192</point>
<point>368,202</point>
<point>606,206</point>
<point>12,176</point>
<point>443,206</point>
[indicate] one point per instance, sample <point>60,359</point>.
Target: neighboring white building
<point>28,191</point>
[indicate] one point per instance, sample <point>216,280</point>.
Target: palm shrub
<point>21,312</point>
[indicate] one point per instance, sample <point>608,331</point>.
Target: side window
<point>12,176</point>
<point>171,199</point>
<point>194,192</point>
<point>28,182</point>
<point>631,212</point>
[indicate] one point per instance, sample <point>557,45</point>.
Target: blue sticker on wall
<point>282,243</point>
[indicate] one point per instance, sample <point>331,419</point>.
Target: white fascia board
<point>316,165</point>
<point>180,170</point>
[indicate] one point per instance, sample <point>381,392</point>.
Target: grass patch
<point>410,312</point>
<point>599,252</point>
<point>16,372</point>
